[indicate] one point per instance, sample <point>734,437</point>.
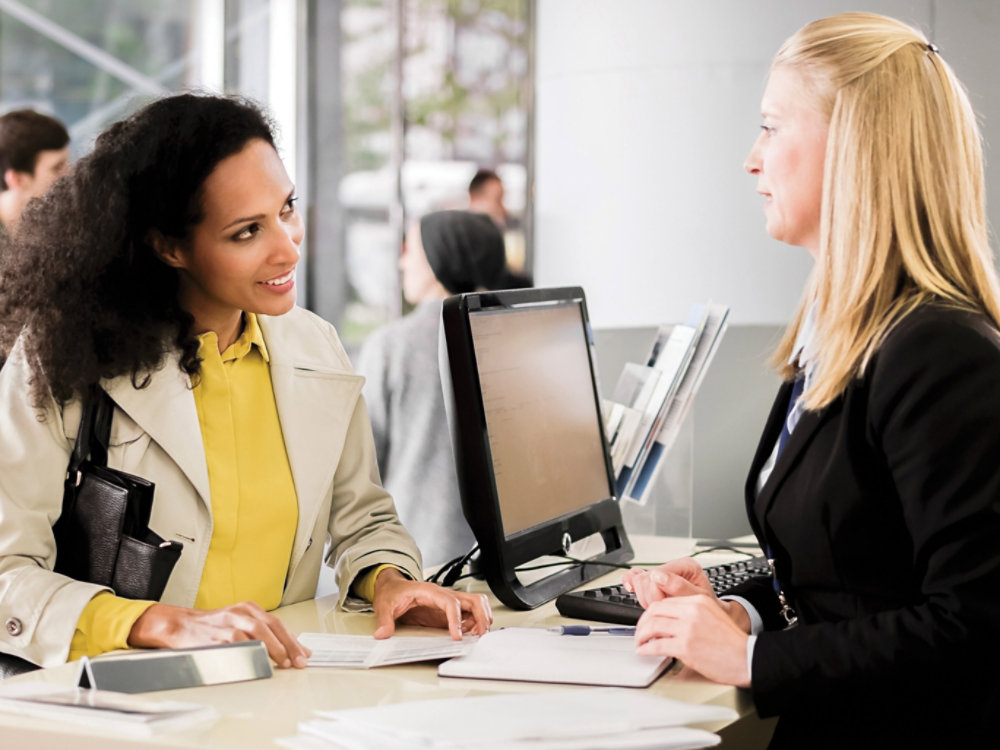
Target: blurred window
<point>431,90</point>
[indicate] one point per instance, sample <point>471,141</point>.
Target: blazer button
<point>13,626</point>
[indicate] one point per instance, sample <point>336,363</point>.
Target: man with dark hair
<point>486,196</point>
<point>34,153</point>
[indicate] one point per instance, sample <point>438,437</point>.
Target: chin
<point>276,307</point>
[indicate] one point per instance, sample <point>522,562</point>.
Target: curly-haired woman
<point>163,268</point>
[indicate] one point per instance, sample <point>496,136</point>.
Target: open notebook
<point>536,655</point>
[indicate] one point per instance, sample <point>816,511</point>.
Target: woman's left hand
<point>696,630</point>
<point>420,603</point>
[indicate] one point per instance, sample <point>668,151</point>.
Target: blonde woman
<point>876,485</point>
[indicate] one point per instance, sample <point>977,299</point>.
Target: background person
<point>34,153</point>
<point>877,491</point>
<point>448,252</point>
<point>486,197</point>
<point>163,268</point>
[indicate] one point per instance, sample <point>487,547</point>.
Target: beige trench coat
<point>155,434</point>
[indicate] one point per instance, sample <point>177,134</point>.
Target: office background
<point>618,126</point>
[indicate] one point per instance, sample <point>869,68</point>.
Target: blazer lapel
<point>801,436</point>
<point>772,428</point>
<point>165,409</point>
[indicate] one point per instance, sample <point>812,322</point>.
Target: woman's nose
<point>752,163</point>
<point>290,240</point>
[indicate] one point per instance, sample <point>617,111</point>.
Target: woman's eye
<point>767,129</point>
<point>247,232</point>
<point>290,205</point>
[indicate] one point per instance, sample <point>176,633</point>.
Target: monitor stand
<point>500,563</point>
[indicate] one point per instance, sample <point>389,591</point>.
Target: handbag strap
<point>94,434</point>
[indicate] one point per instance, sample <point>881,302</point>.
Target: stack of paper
<point>101,709</point>
<point>650,401</point>
<point>596,719</point>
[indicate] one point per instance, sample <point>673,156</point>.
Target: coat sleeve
<point>39,609</point>
<point>934,412</point>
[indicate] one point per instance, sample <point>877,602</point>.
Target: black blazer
<point>883,517</point>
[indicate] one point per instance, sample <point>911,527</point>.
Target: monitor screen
<point>542,414</point>
<point>525,419</point>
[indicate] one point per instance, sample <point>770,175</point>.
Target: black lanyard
<point>786,609</point>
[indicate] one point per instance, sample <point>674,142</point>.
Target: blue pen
<point>588,629</point>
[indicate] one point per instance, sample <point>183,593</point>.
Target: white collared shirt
<point>804,356</point>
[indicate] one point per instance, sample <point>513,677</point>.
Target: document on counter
<point>103,709</point>
<point>363,651</point>
<point>537,655</point>
<point>605,719</point>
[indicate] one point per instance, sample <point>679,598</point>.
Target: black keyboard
<point>615,604</point>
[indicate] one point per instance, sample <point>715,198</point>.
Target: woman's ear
<point>168,250</point>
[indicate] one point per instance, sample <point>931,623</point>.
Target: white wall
<point>645,110</point>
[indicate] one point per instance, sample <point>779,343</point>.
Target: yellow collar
<point>251,336</point>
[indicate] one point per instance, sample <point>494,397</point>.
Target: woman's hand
<point>699,632</point>
<point>419,603</point>
<point>681,577</point>
<point>167,626</point>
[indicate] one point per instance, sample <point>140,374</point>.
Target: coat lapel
<point>801,436</point>
<point>165,409</point>
<point>315,401</point>
<point>315,396</point>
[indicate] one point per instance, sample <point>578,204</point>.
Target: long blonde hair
<point>903,219</point>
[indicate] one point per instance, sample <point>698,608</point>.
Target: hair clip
<point>931,47</point>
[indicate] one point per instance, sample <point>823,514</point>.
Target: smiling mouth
<point>281,279</point>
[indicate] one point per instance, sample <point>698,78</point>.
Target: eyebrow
<point>256,217</point>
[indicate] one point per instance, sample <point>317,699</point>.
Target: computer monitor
<point>532,460</point>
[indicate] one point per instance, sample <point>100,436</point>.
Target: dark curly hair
<point>81,282</point>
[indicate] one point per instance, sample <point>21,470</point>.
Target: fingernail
<point>659,577</point>
<point>301,662</point>
<point>285,664</point>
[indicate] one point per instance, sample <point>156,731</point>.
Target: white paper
<point>363,651</point>
<point>102,709</point>
<point>603,718</point>
<point>326,734</point>
<point>668,738</point>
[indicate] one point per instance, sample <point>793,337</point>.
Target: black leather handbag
<point>103,534</point>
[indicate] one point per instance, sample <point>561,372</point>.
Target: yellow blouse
<point>254,505</point>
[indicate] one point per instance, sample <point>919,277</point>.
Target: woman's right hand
<point>681,577</point>
<point>167,626</point>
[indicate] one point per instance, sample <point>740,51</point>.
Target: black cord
<point>565,561</point>
<point>451,571</point>
<point>723,549</point>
